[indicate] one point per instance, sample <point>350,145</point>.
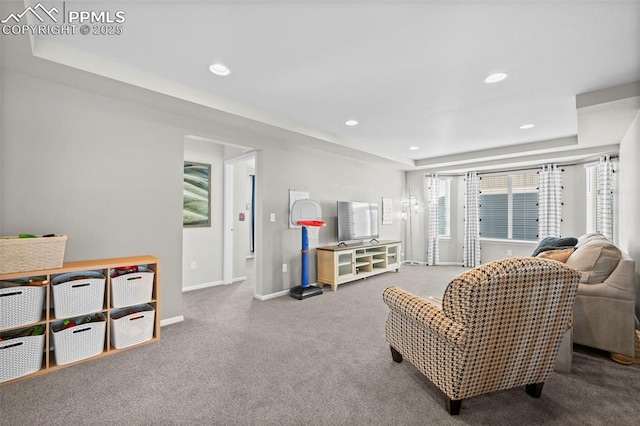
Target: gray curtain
<point>433,250</point>
<point>549,201</point>
<point>471,246</point>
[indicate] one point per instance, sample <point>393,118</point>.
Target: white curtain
<point>604,183</point>
<point>549,201</point>
<point>471,246</point>
<point>433,251</point>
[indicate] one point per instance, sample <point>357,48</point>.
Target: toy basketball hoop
<point>306,213</point>
<point>318,223</point>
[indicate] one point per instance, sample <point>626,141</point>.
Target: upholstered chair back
<point>514,313</point>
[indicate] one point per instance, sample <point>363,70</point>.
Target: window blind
<point>494,207</point>
<point>524,222</point>
<point>508,206</point>
<point>444,229</point>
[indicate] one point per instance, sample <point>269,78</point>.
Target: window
<point>444,228</point>
<point>509,206</point>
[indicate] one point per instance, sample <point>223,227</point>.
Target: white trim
<point>503,241</point>
<point>227,258</point>
<point>200,286</point>
<point>414,262</point>
<point>271,295</point>
<point>172,320</point>
<point>212,284</point>
<point>227,261</point>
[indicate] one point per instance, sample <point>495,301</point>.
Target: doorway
<point>240,212</point>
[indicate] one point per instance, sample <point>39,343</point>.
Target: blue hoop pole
<point>305,257</point>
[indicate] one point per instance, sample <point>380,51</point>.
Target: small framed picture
<point>196,195</point>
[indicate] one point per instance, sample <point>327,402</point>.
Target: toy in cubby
<point>75,339</point>
<point>131,285</point>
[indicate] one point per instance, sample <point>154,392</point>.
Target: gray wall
<point>416,226</point>
<point>105,172</point>
<point>629,199</point>
<point>101,161</point>
<point>328,178</point>
<point>204,245</point>
<point>3,106</point>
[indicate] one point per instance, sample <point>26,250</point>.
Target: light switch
<point>272,217</point>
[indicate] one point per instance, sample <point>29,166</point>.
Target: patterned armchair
<point>499,326</point>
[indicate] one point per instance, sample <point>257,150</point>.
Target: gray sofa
<point>604,310</point>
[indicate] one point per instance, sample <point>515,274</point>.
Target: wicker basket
<point>132,289</point>
<point>20,356</point>
<point>21,305</point>
<point>31,254</point>
<point>79,342</point>
<point>132,326</point>
<point>73,296</point>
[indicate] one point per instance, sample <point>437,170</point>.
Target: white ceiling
<point>410,72</point>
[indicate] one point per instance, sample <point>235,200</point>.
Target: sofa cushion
<point>561,255</point>
<point>596,260</point>
<point>583,239</point>
<point>555,242</point>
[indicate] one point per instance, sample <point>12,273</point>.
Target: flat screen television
<point>357,221</point>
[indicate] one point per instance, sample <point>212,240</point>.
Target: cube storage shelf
<point>344,263</point>
<point>142,325</point>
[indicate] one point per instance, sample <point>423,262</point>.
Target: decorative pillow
<point>596,260</point>
<point>560,255</point>
<point>543,249</point>
<point>555,242</point>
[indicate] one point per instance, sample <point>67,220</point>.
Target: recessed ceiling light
<point>494,78</point>
<point>527,126</point>
<point>351,122</point>
<point>219,69</point>
<point>413,148</point>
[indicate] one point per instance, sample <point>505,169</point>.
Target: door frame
<point>227,264</point>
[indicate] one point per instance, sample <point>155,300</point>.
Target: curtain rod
<point>519,169</point>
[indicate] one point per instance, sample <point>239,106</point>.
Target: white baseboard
<point>272,295</point>
<point>200,286</point>
<point>277,294</point>
<point>415,262</point>
<point>171,320</point>
<point>212,284</point>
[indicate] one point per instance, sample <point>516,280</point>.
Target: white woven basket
<point>132,326</point>
<point>20,356</point>
<point>31,254</point>
<point>21,305</point>
<point>132,289</point>
<point>79,342</point>
<point>73,297</point>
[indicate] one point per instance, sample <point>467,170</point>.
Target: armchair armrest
<point>426,314</point>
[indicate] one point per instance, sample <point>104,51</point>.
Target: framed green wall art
<point>196,194</point>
